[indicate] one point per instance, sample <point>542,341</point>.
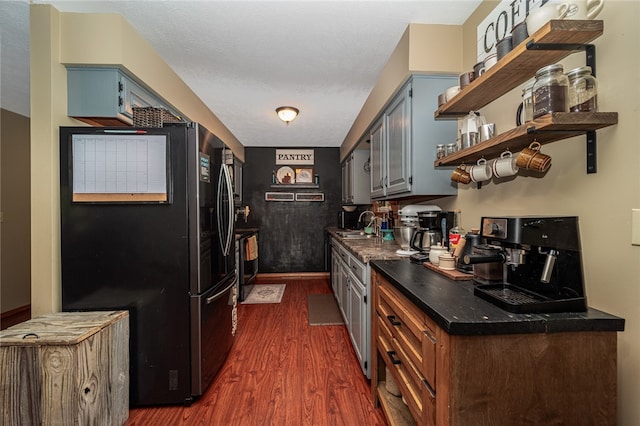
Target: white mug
<point>539,17</point>
<point>481,171</point>
<point>581,9</point>
<point>505,165</point>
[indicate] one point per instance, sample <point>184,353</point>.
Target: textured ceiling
<point>246,58</point>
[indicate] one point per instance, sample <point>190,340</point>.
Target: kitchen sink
<point>354,235</point>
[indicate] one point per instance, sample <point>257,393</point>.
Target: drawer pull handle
<point>392,320</point>
<point>392,354</point>
<point>429,388</point>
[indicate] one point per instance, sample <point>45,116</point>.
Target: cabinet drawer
<point>358,269</point>
<point>412,328</point>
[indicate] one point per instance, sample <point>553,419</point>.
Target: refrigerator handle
<point>224,174</point>
<point>219,202</point>
<point>210,299</point>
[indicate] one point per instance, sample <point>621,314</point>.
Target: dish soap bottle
<point>457,231</point>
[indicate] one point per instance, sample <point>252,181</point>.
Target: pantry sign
<point>294,156</point>
<point>499,23</point>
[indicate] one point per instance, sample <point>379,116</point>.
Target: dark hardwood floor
<point>281,371</point>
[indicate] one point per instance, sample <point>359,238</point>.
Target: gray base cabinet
<point>350,283</point>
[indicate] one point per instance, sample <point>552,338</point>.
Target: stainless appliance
<point>169,260</point>
<point>542,264</point>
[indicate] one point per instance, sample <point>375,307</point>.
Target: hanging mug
<point>505,166</point>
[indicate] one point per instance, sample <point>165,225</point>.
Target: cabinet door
<point>378,173</point>
<point>398,122</point>
<point>344,292</point>
<point>347,180</point>
<point>335,273</point>
<point>357,323</point>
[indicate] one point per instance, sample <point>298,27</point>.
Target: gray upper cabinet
<point>355,178</point>
<point>404,139</point>
<point>107,96</point>
<point>378,165</point>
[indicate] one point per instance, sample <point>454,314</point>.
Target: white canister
<point>435,252</point>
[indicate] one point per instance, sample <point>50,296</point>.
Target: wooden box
<point>66,368</point>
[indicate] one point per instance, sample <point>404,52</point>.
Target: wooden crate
<point>66,368</point>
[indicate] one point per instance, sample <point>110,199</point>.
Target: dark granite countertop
<point>454,307</point>
<point>368,248</point>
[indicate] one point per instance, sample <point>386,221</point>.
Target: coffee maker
<point>542,264</point>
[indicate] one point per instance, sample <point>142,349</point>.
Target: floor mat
<point>323,310</point>
<point>265,293</point>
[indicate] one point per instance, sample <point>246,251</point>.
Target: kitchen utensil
<point>402,234</point>
<point>519,34</point>
<point>447,262</point>
<point>503,47</point>
<point>466,78</point>
<point>460,175</point>
<point>490,61</point>
<point>487,263</point>
<point>423,239</point>
<point>435,251</point>
<point>540,16</point>
<point>526,106</point>
<point>505,166</point>
<point>481,171</point>
<point>478,69</point>
<point>550,91</point>
<point>487,131</point>
<point>581,9</point>
<point>531,158</point>
<point>451,92</point>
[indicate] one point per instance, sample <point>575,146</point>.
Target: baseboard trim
<point>293,276</point>
<point>15,316</point>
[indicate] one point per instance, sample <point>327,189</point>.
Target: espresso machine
<point>541,264</point>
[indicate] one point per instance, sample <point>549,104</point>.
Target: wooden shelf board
<point>397,412</point>
<point>520,65</point>
<point>295,185</point>
<point>548,128</point>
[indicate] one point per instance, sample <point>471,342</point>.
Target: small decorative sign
<point>294,156</point>
<point>499,23</point>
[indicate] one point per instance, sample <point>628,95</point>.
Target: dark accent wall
<point>291,233</point>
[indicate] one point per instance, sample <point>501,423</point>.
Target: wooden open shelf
<point>520,65</point>
<point>548,128</point>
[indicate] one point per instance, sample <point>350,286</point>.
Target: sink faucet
<point>365,212</point>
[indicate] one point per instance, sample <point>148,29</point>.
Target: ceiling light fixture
<point>287,113</point>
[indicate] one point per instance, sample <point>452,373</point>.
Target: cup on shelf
<point>532,159</point>
<point>481,171</point>
<point>519,34</point>
<point>487,131</point>
<point>460,175</point>
<point>478,69</point>
<point>537,18</point>
<point>503,47</point>
<point>490,61</point>
<point>505,166</point>
<point>466,78</point>
<point>451,92</point>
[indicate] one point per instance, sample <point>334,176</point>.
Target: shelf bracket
<point>592,165</point>
<point>591,147</point>
<point>589,49</point>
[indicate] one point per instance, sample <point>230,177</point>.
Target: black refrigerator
<point>147,226</point>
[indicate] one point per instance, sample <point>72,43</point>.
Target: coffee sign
<point>499,23</point>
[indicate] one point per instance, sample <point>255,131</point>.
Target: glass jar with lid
<point>583,89</point>
<point>550,91</point>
